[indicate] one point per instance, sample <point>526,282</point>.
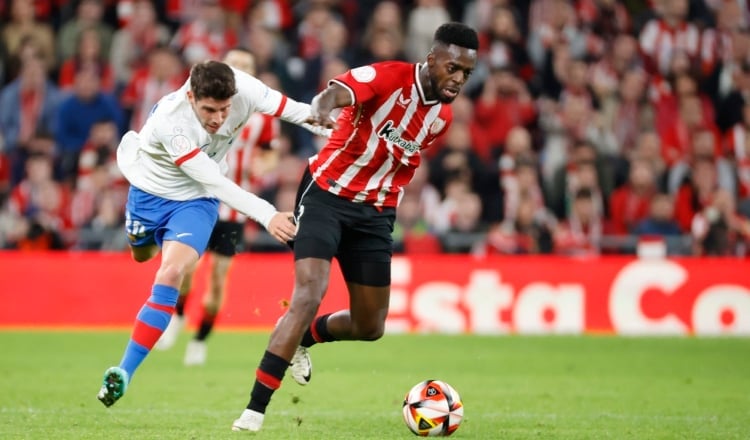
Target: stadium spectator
<point>207,36</point>
<point>29,107</point>
<point>737,144</point>
<point>77,114</point>
<point>23,25</point>
<point>89,14</point>
<point>162,73</point>
<point>528,232</point>
<point>88,54</point>
<point>421,23</point>
<point>504,103</point>
<point>629,204</point>
<point>132,43</point>
<point>40,208</point>
<point>411,231</point>
<point>703,145</point>
<point>668,33</point>
<point>660,219</point>
<point>580,234</point>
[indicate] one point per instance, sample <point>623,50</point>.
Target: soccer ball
<point>433,408</point>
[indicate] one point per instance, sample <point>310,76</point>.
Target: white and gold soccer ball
<point>432,408</point>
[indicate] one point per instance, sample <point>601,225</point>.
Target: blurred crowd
<point>587,127</point>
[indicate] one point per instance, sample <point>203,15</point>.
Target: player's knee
<point>171,274</point>
<point>368,332</point>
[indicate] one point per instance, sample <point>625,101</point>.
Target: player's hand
<point>282,226</point>
<point>319,116</point>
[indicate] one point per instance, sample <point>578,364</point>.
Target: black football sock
<point>206,325</point>
<point>318,332</point>
<point>179,308</point>
<point>267,380</point>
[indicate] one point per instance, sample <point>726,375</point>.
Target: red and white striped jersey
<point>659,41</point>
<point>260,129</point>
<point>376,148</point>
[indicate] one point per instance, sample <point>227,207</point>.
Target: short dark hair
<point>212,79</point>
<point>458,34</point>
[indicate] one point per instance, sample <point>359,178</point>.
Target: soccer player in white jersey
<point>347,200</point>
<point>253,143</point>
<point>175,166</point>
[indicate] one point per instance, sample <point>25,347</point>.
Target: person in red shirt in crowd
<point>668,33</point>
<point>40,207</point>
<point>163,73</point>
<point>88,55</point>
<point>137,37</point>
<point>505,102</point>
<point>581,233</point>
<point>348,197</point>
<point>677,139</point>
<point>630,203</point>
<point>737,144</point>
<point>207,37</point>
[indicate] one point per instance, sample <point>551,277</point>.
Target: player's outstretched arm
<point>207,172</point>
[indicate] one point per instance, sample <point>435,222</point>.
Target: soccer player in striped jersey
<point>253,142</point>
<point>346,202</point>
<point>176,168</point>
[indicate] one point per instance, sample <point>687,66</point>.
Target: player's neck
<point>424,80</point>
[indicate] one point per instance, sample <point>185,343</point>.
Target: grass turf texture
<point>512,387</point>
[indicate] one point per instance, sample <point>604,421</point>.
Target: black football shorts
<point>226,238</point>
<point>359,235</point>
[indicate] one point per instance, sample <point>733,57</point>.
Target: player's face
<point>449,68</point>
<point>211,112</point>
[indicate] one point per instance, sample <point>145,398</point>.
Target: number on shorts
<point>134,228</point>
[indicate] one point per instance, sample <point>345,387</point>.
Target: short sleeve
<point>365,82</point>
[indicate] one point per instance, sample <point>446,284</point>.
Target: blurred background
<point>587,126</point>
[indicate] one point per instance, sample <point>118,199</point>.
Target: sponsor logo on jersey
<point>390,134</point>
<point>403,101</point>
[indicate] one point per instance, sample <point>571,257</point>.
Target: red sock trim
<point>160,307</point>
<point>268,380</point>
<point>314,330</point>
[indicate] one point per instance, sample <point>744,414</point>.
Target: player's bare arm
<point>333,97</point>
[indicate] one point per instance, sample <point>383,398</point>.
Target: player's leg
<point>177,321</point>
<point>225,242</point>
<point>365,259</point>
<point>183,229</point>
<point>316,242</point>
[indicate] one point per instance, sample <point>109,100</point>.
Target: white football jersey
<point>168,157</point>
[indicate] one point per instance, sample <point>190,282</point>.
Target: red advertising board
<point>440,293</point>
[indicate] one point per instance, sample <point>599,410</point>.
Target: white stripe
<point>372,143</point>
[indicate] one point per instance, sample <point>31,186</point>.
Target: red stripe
<point>160,307</point>
<point>146,335</point>
<point>282,104</point>
<point>190,155</point>
<point>314,331</point>
<point>267,380</point>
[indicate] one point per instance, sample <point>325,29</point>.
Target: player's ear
<point>190,96</point>
<point>431,58</point>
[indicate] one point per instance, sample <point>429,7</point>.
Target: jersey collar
<point>424,100</point>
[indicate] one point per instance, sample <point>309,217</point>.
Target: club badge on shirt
<point>179,145</point>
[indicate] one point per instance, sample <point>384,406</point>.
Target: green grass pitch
<point>513,387</point>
